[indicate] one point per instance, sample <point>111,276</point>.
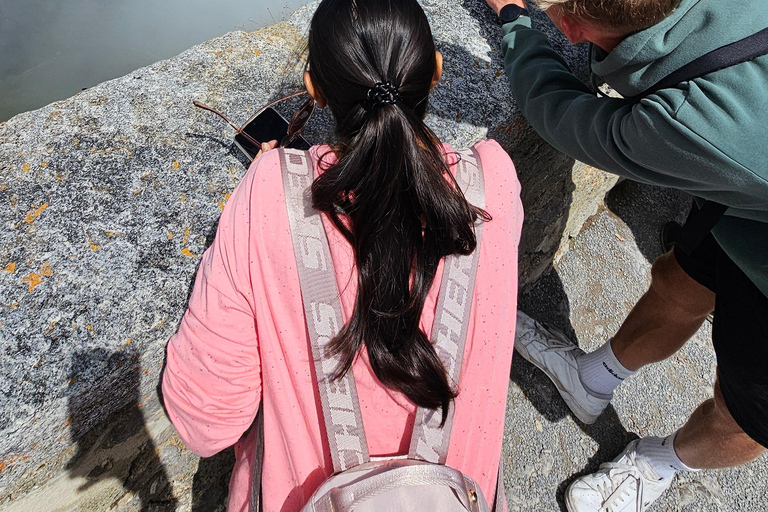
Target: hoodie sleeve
<point>634,140</point>
<point>212,379</point>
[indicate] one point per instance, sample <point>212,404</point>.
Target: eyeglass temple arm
<point>238,130</point>
<point>209,109</point>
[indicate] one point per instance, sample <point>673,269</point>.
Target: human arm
<point>212,379</point>
<point>635,140</point>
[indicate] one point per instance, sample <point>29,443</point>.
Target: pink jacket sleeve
<point>212,379</point>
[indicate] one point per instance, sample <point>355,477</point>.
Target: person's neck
<point>608,43</point>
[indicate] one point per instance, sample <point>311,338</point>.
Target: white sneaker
<point>554,354</point>
<point>628,484</point>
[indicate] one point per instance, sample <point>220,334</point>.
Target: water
<point>52,49</point>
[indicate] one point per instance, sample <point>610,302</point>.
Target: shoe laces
<point>556,341</point>
<point>629,478</point>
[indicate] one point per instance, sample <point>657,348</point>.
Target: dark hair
<point>400,213</point>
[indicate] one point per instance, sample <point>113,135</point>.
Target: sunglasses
<point>292,132</point>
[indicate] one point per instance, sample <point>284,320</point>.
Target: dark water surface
<point>52,49</point>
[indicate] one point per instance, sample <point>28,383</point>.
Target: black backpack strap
<point>726,56</point>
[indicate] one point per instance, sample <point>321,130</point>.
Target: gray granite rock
<point>108,198</point>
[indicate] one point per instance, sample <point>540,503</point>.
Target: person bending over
<point>701,134</point>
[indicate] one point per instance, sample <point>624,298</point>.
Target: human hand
<point>266,146</point>
<point>496,5</point>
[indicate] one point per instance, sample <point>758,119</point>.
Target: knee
<point>730,429</point>
<point>670,282</point>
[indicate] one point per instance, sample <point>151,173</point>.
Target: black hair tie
<point>383,93</point>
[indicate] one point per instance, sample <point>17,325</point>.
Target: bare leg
<point>670,312</point>
<point>712,439</point>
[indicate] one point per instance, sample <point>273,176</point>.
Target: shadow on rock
<point>210,486</point>
<point>645,209</point>
<point>547,302</point>
<point>611,438</point>
<point>118,445</point>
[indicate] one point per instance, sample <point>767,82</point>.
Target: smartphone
<point>267,126</point>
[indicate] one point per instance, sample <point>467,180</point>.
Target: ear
<point>438,69</point>
<point>314,91</point>
<point>573,28</point>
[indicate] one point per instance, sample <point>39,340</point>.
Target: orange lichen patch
<point>58,177</point>
<point>256,52</point>
<point>128,341</point>
<point>44,165</point>
<point>11,459</point>
<point>34,213</point>
<point>89,327</point>
<point>170,235</point>
<point>161,323</point>
<point>186,236</point>
<point>224,202</point>
<point>175,164</point>
<point>186,252</point>
<point>93,246</point>
<point>11,267</point>
<point>25,167</point>
<point>136,191</point>
<point>3,187</point>
<point>76,142</point>
<point>34,279</point>
<point>14,305</point>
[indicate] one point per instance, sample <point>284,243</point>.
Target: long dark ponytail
<point>387,193</point>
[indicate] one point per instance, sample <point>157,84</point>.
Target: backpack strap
<point>738,52</point>
<point>449,330</point>
<point>322,310</point>
<point>701,223</point>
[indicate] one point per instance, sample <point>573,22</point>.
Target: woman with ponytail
<point>392,211</point>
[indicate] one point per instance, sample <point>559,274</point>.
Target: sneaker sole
<point>582,415</point>
<point>568,504</point>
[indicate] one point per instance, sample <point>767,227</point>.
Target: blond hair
<point>620,15</point>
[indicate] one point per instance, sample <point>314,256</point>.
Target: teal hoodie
<point>708,136</point>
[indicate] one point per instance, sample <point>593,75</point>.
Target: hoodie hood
<point>695,28</point>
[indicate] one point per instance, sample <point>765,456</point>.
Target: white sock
<point>601,372</point>
<point>659,453</point>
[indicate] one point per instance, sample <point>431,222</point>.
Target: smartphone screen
<point>269,125</point>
